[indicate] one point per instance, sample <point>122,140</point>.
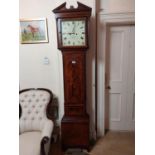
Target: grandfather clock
<point>72,37</point>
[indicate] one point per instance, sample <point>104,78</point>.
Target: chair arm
<point>43,142</point>
<point>46,134</point>
<point>47,130</point>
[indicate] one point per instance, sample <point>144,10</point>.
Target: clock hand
<point>74,28</point>
<point>69,33</point>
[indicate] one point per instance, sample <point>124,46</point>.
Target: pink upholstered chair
<point>35,128</point>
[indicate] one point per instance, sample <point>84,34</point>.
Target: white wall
<point>116,6</point>
<point>33,73</point>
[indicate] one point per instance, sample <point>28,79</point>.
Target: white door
<point>120,90</point>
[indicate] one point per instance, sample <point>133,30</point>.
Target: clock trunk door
<point>74,83</point>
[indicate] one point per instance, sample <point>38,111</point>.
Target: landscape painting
<point>33,31</point>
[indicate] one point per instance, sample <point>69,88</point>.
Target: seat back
<point>33,104</point>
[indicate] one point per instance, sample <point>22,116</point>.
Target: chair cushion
<point>33,104</point>
<point>29,143</point>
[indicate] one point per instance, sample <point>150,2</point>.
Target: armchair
<point>34,126</point>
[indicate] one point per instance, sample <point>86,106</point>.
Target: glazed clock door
<point>73,32</point>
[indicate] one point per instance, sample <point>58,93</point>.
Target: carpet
<point>115,143</point>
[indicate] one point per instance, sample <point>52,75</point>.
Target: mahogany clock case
<point>75,122</point>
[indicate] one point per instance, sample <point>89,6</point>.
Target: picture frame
<point>33,31</point>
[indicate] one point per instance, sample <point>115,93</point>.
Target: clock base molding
<point>75,132</point>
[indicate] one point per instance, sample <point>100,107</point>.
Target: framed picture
<point>33,31</point>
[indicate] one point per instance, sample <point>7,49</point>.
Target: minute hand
<point>69,33</point>
<point>74,29</point>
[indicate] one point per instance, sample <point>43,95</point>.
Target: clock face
<point>73,32</point>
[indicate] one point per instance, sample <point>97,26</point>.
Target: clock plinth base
<point>75,132</point>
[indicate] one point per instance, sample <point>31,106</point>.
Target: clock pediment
<point>63,9</point>
<point>83,7</point>
<point>60,8</point>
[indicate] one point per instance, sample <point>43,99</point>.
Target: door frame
<point>108,26</point>
<point>103,22</point>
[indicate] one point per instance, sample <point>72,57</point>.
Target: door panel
<point>120,78</point>
<point>115,61</point>
<point>115,107</point>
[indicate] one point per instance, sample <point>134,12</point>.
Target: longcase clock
<point>72,37</point>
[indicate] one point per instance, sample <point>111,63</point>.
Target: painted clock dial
<point>73,32</point>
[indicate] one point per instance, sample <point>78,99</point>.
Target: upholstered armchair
<point>34,126</point>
